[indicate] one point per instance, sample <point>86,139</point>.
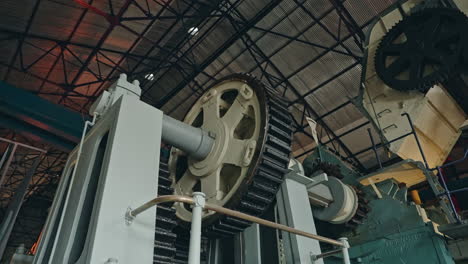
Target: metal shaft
<point>15,205</point>
<point>196,142</point>
<point>195,231</point>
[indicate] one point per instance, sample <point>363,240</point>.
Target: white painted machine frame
<point>128,174</point>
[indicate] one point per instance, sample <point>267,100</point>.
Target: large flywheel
<point>252,133</point>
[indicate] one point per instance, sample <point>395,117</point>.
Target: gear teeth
<point>164,244</point>
<point>451,62</point>
<point>280,115</point>
<point>270,165</point>
<point>266,174</point>
<point>275,154</point>
<point>164,181</point>
<point>360,213</point>
<point>254,196</point>
<point>278,144</point>
<point>263,186</point>
<point>169,237</point>
<point>167,212</point>
<point>280,124</point>
<point>164,190</point>
<point>237,221</point>
<point>271,168</point>
<point>252,208</point>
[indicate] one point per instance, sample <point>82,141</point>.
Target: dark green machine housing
<point>394,230</point>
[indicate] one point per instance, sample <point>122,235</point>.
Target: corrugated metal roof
<point>305,40</point>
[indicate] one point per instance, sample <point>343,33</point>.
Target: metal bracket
<point>199,200</point>
<point>129,217</point>
<point>308,182</point>
<point>112,261</point>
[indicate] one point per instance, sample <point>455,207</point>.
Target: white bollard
<point>344,249</point>
<point>195,231</point>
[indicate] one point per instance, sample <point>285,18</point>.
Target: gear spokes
<point>422,49</point>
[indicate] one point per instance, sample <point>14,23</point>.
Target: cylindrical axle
<point>196,142</point>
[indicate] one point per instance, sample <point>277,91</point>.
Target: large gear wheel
<point>423,49</point>
<point>252,130</point>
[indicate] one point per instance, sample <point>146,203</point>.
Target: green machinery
<point>387,228</point>
<point>413,90</point>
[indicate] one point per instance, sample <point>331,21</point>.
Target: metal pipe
<point>416,138</point>
<point>22,145</point>
<point>382,144</point>
<point>80,146</point>
<point>5,155</point>
<point>455,191</point>
<point>327,254</point>
<point>374,147</point>
<point>196,142</point>
<point>7,165</point>
<point>344,249</point>
<point>447,193</point>
<point>184,199</point>
<point>455,161</point>
<point>15,205</point>
<point>195,230</point>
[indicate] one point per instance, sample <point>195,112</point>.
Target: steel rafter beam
<point>325,28</point>
<point>19,48</point>
<point>321,117</point>
<point>19,35</point>
<point>298,39</point>
<point>266,10</point>
<point>292,74</point>
<point>263,61</point>
<point>327,81</point>
<point>39,195</point>
<point>163,64</point>
<point>113,22</point>
<point>338,136</point>
<point>326,13</point>
<point>249,42</point>
<point>191,47</point>
<point>23,111</point>
<point>350,23</point>
<point>80,19</point>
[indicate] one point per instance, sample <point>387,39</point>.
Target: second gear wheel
<point>423,49</point>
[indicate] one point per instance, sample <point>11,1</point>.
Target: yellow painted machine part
<point>436,116</point>
<point>404,172</point>
<point>415,196</point>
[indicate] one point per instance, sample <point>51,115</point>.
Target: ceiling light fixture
<point>193,31</point>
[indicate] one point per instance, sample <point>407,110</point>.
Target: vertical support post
<point>250,240</point>
<point>374,147</point>
<point>7,165</point>
<point>294,210</point>
<point>344,250</point>
<point>5,155</point>
<point>15,205</point>
<point>447,193</point>
<point>416,138</point>
<point>214,255</point>
<point>195,230</point>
